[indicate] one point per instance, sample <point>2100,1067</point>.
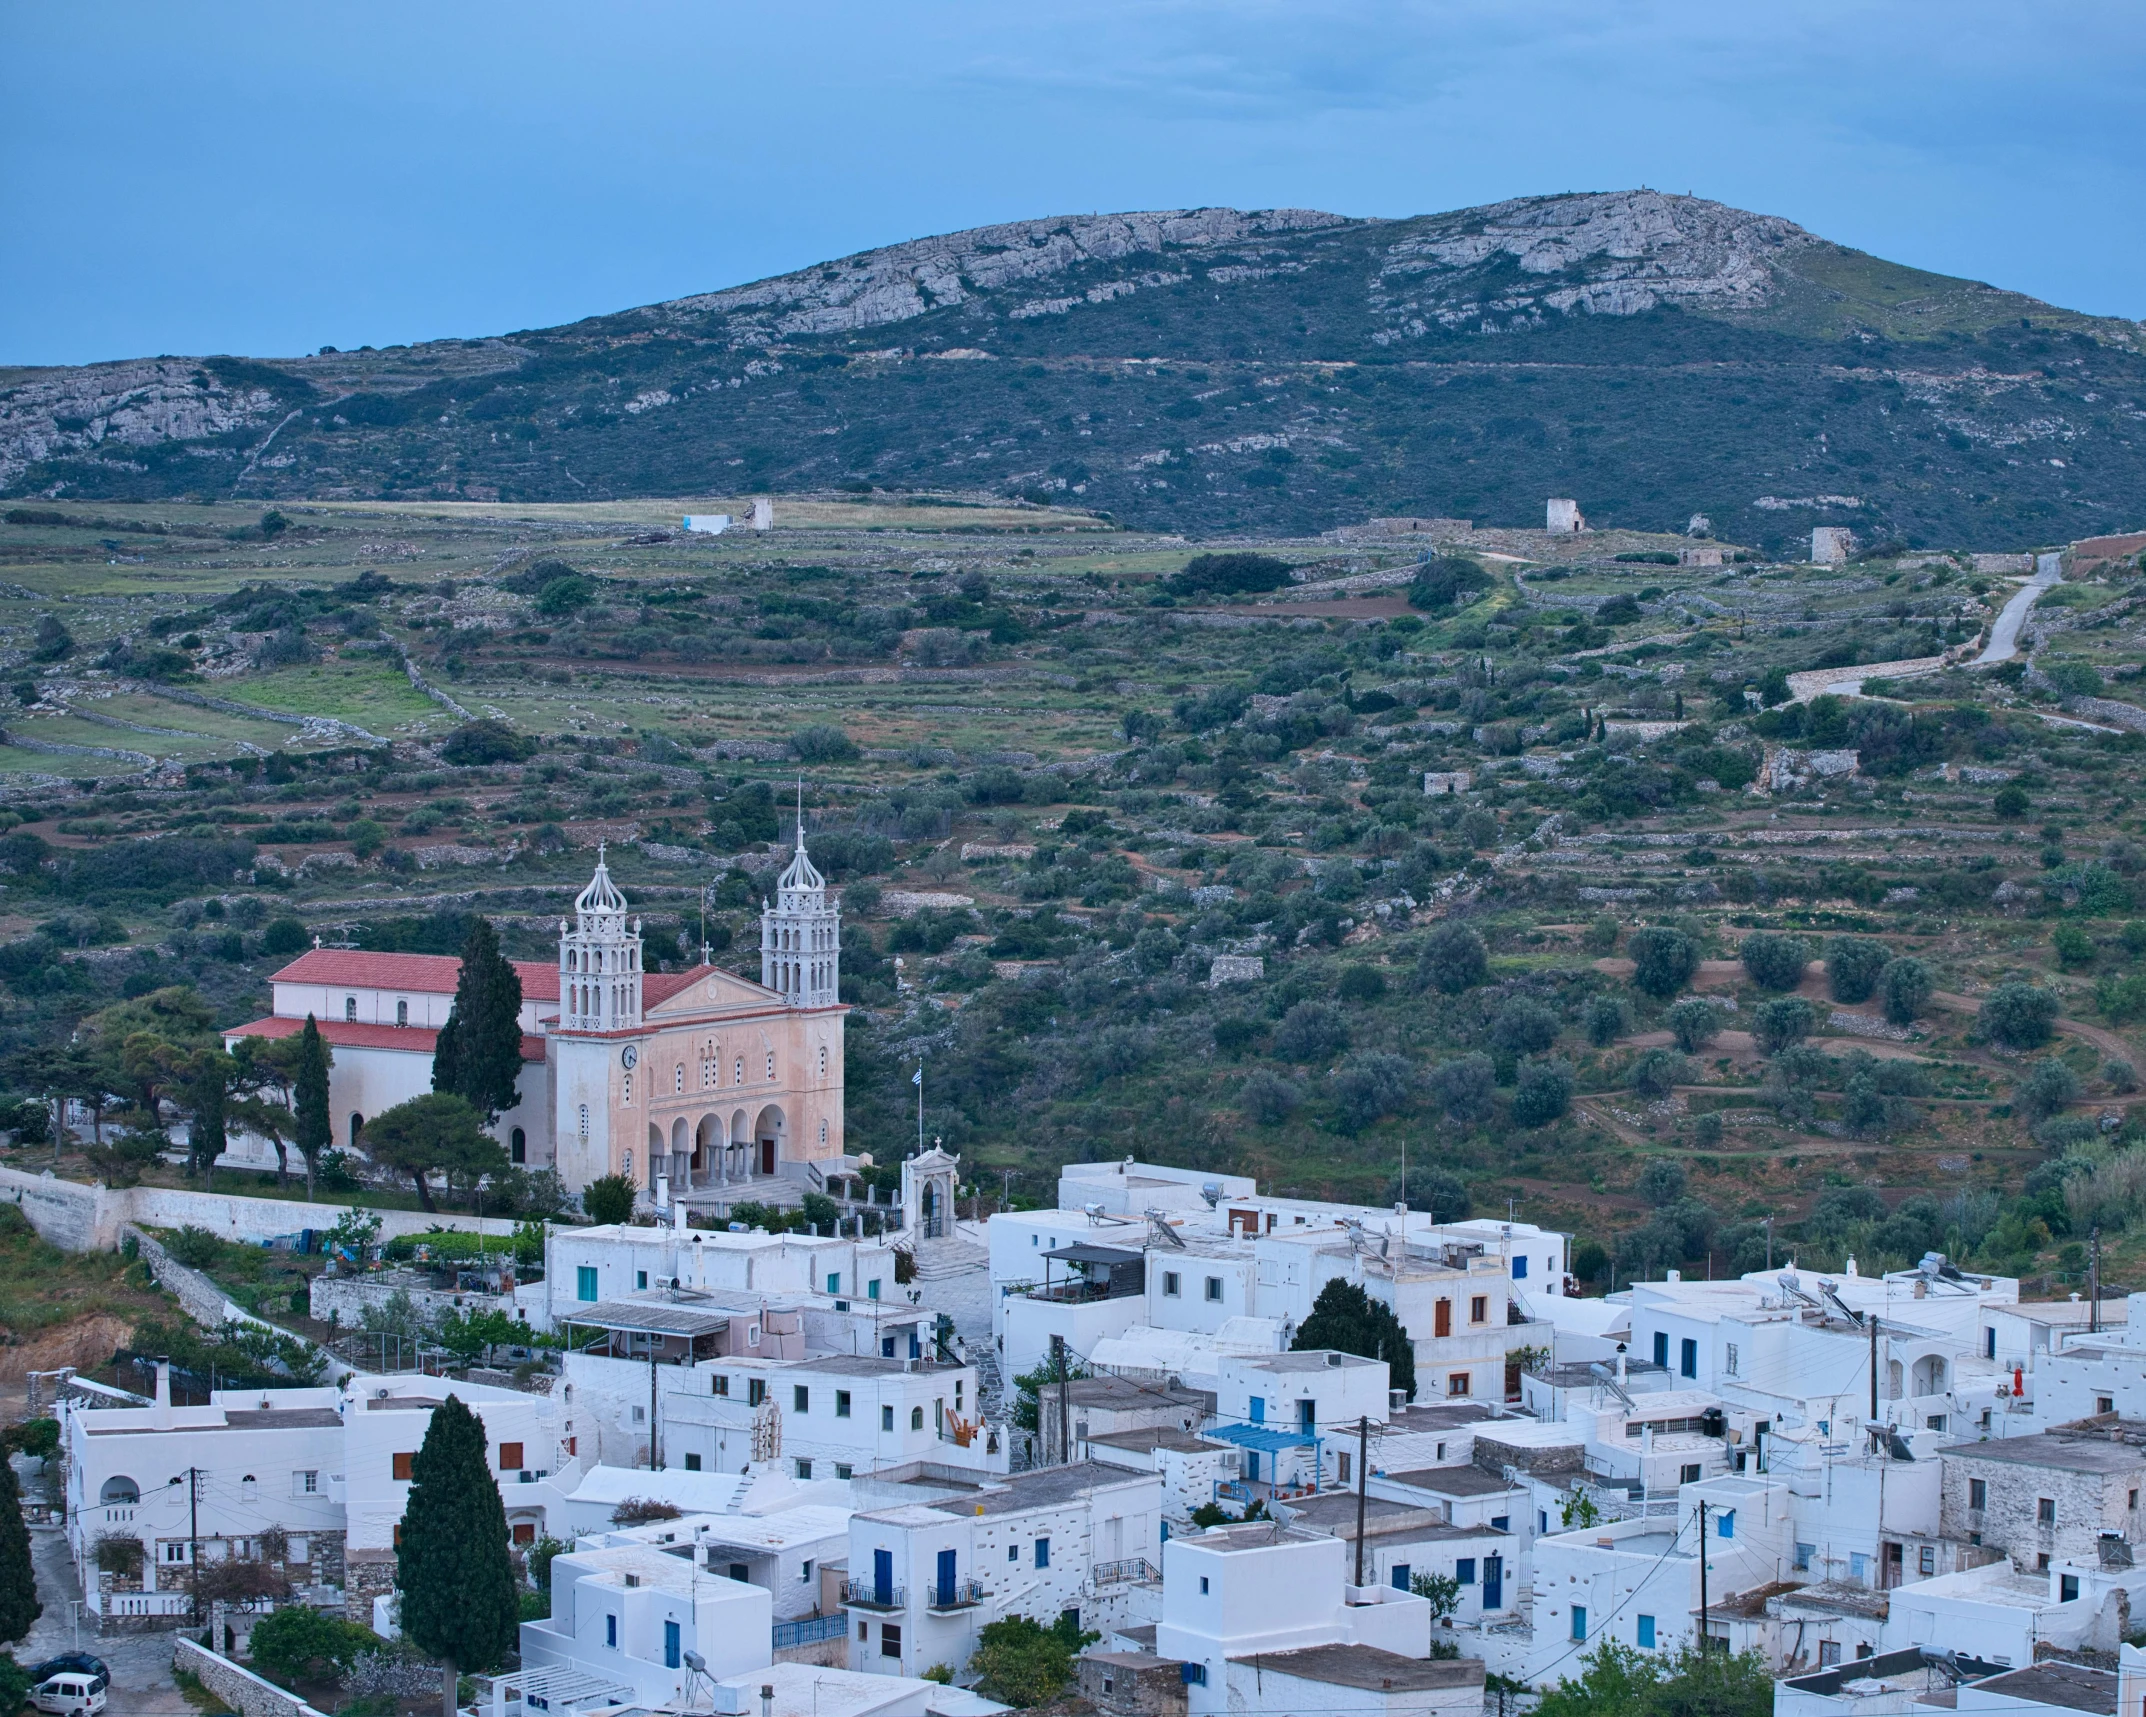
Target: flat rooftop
<point>1122,1395</point>
<point>2073,1686</point>
<point>1314,1359</point>
<point>1373,1670</point>
<point>1148,1440</point>
<point>1045,1489</point>
<point>2065,1451</point>
<point>1453,1481</point>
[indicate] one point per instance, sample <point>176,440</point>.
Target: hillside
<point>1211,372</point>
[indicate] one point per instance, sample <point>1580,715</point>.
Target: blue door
<point>1493,1582</point>
<point>670,1645</point>
<point>946,1579</point>
<point>883,1577</point>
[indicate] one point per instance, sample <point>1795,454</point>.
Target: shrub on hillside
<point>1663,959</point>
<point>1775,962</point>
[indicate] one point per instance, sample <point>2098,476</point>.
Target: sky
<point>267,179</point>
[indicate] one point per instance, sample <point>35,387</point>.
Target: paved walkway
<point>140,1663</point>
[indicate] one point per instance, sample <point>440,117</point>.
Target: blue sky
<point>268,179</point>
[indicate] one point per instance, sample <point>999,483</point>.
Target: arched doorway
<point>707,1146</point>
<point>740,1145</point>
<point>357,1126</point>
<point>768,1138</point>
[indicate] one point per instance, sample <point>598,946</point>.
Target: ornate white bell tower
<point>801,936</point>
<point>599,960</point>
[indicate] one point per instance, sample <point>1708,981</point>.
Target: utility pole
<point>2093,1280</point>
<point>1873,1368</point>
<point>1769,1243</point>
<point>192,1476</point>
<point>1363,1463</point>
<point>1058,1359</point>
<point>1705,1645</point>
<point>654,1463</point>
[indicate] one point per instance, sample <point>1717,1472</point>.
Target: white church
<point>691,1084</point>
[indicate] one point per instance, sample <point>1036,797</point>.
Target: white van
<point>69,1694</point>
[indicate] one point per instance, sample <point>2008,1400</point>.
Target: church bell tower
<point>599,960</point>
<point>801,936</point>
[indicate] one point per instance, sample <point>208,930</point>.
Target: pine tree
<point>18,1581</point>
<point>452,1561</point>
<point>314,1130</point>
<point>478,1055</point>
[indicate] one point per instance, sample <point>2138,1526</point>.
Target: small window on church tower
<point>584,1120</point>
<point>629,1088</point>
<point>771,1064</point>
<point>740,1071</point>
<point>678,1077</point>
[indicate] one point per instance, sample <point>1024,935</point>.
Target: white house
<point>925,1577</point>
<point>328,1467</point>
<point>629,1614</point>
<point>1233,1593</point>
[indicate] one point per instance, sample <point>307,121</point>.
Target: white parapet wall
<point>80,1217</point>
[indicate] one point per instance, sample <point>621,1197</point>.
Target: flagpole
<point>920,1108</point>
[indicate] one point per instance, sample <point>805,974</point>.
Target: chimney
<point>767,1699</point>
<point>162,1408</point>
<point>678,1215</point>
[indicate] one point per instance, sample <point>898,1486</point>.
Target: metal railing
<point>1131,1570</point>
<point>811,1631</point>
<point>955,1595</point>
<point>868,1595</point>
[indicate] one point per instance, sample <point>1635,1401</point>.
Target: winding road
<point>2004,635</point>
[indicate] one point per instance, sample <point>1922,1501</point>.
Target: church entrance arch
<point>768,1139</point>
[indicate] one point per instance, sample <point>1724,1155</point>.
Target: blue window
<point>1400,1576</point>
<point>834,1281</point>
<point>611,1632</point>
<point>1195,1674</point>
<point>1258,1409</point>
<point>1646,1632</point>
<point>640,1278</point>
<point>1043,1553</point>
<point>1520,1268</point>
<point>1464,1570</point>
<point>670,1645</point>
<point>1579,1621</point>
<point>585,1282</point>
<point>1689,1358</point>
<point>1501,1523</point>
<point>1661,1350</point>
<point>1542,1520</point>
<point>1725,1523</point>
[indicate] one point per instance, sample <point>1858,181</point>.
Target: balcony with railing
<point>955,1595</point>
<point>1128,1571</point>
<point>871,1595</point>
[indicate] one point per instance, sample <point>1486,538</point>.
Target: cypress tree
<point>18,1581</point>
<point>1348,1320</point>
<point>452,1562</point>
<point>314,1130</point>
<point>478,1056</point>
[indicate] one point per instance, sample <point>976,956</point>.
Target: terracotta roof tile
<point>427,974</point>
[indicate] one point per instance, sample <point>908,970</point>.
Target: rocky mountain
<point>1213,371</point>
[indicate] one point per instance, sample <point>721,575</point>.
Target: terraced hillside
<point>1138,862</point>
<point>1211,372</point>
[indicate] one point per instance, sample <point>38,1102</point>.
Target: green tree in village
<point>314,1131</point>
<point>264,1079</point>
<point>437,1132</point>
<point>1619,1681</point>
<point>1348,1320</point>
<point>18,1581</point>
<point>478,1056</point>
<point>453,1561</point>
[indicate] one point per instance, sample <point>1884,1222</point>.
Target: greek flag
<point>917,1078</point>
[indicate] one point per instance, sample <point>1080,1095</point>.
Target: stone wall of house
<point>346,1299</point>
<point>2087,1505</point>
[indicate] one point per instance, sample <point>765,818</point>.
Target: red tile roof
<point>426,974</point>
<point>348,1034</point>
<point>661,986</point>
